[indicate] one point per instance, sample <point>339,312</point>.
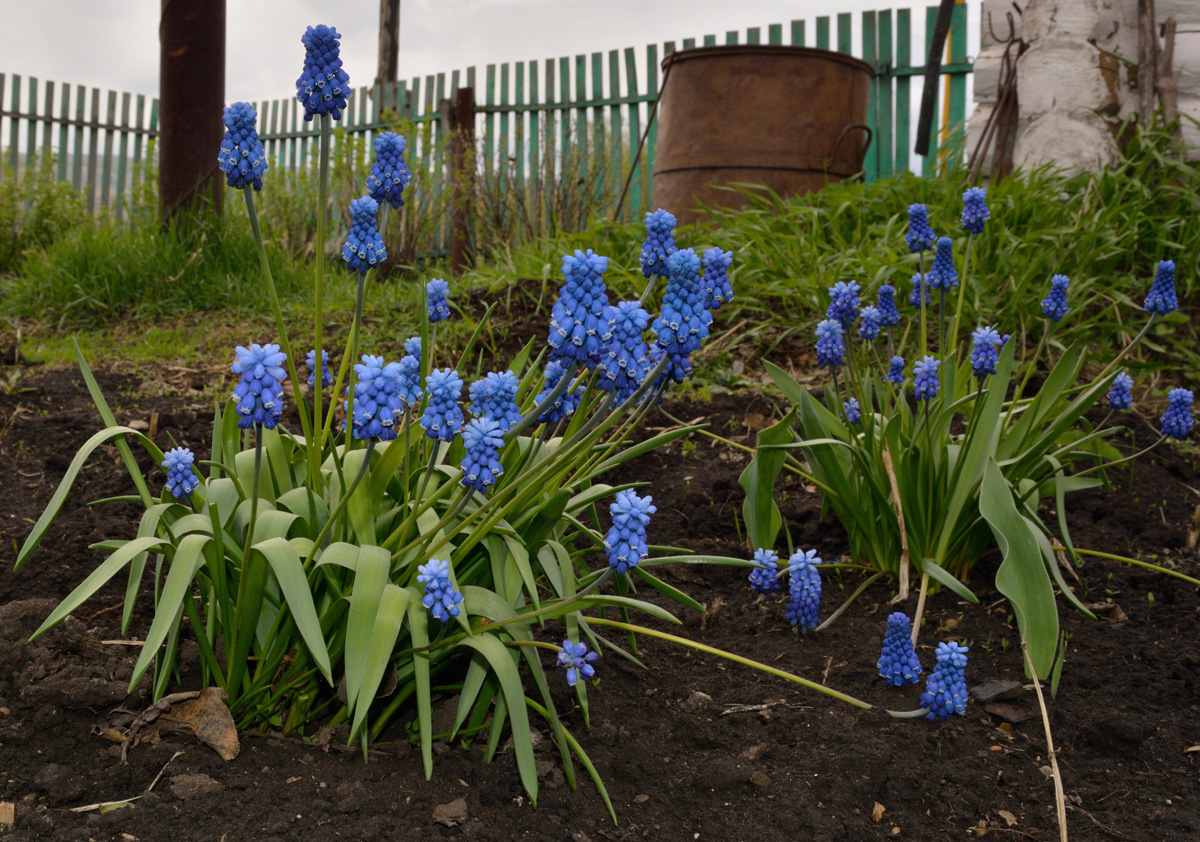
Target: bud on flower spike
<point>566,403</point>
<point>871,322</point>
<point>804,587</point>
<point>1120,394</point>
<point>1162,299</point>
<point>626,359</point>
<point>717,288</point>
<point>578,661</point>
<point>241,158</point>
<point>323,87</point>
<point>942,275</point>
<point>946,688</point>
<point>853,412</point>
<point>310,360</point>
<point>377,400</point>
<point>920,236</point>
<point>683,325</point>
<point>975,210</point>
<point>1055,304</point>
<point>896,371</point>
<point>898,662</point>
<point>1177,421</point>
<point>181,482</point>
<point>889,315</point>
<point>364,248</point>
<point>389,174</point>
<point>435,295</point>
<point>764,579</point>
<point>660,242</point>
<point>626,540</point>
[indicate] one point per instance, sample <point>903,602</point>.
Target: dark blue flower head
<point>660,242</point>
<point>919,286</point>
<point>181,482</point>
<point>241,157</point>
<point>483,439</point>
<point>1120,394</point>
<point>389,174</point>
<point>946,688</point>
<point>364,249</point>
<point>925,380</point>
<point>323,86</point>
<point>412,346</point>
<point>872,320</point>
<point>1055,304</point>
<point>377,400</point>
<point>566,403</point>
<point>626,360</point>
<point>717,288</point>
<point>683,325</point>
<point>830,347</point>
<point>579,322</point>
<point>889,315</point>
<point>437,306</point>
<point>310,360</point>
<point>896,371</point>
<point>942,275</point>
<point>804,590</point>
<point>920,236</point>
<point>898,663</point>
<point>975,210</point>
<point>985,352</point>
<point>626,540</point>
<point>578,661</point>
<point>764,579</point>
<point>495,397</point>
<point>1162,298</point>
<point>440,597</point>
<point>1177,421</point>
<point>259,394</point>
<point>853,412</point>
<point>443,418</point>
<point>843,303</point>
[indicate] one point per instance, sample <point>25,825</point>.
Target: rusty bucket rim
<point>764,49</point>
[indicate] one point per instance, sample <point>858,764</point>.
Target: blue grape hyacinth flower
<point>683,325</point>
<point>408,382</point>
<point>259,394</point>
<point>626,360</point>
<point>985,352</point>
<point>919,285</point>
<point>1054,306</point>
<point>871,322</point>
<point>438,308</point>
<point>310,360</point>
<point>1162,298</point>
<point>804,590</point>
<point>412,346</point>
<point>389,174</point>
<point>920,235</point>
<point>377,400</point>
<point>566,403</point>
<point>975,210</point>
<point>443,417</point>
<point>440,597</point>
<point>323,86</point>
<point>896,371</point>
<point>946,688</point>
<point>364,248</point>
<point>580,323</point>
<point>1177,421</point>
<point>764,579</point>
<point>578,661</point>
<point>717,288</point>
<point>181,482</point>
<point>830,347</point>
<point>942,275</point>
<point>626,540</point>
<point>1120,393</point>
<point>483,438</point>
<point>241,157</point>
<point>843,303</point>
<point>853,412</point>
<point>889,315</point>
<point>495,397</point>
<point>925,380</point>
<point>660,242</point>
<point>898,662</point>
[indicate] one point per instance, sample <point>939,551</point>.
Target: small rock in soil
<point>187,787</point>
<point>1009,713</point>
<point>349,804</point>
<point>451,814</point>
<point>696,701</point>
<point>761,779</point>
<point>60,783</point>
<point>992,691</point>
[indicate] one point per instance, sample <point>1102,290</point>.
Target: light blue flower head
<point>925,380</point>
<point>364,248</point>
<point>853,412</point>
<point>871,322</point>
<point>804,590</point>
<point>566,403</point>
<point>241,157</point>
<point>843,303</point>
<point>483,439</point>
<point>919,286</point>
<point>440,597</point>
<point>1120,393</point>
<point>764,579</point>
<point>946,688</point>
<point>578,661</point>
<point>626,360</point>
<point>323,86</point>
<point>942,275</point>
<point>975,210</point>
<point>896,371</point>
<point>443,418</point>
<point>259,394</point>
<point>718,290</point>
<point>889,314</point>
<point>436,304</point>
<point>181,481</point>
<point>1055,304</point>
<point>830,346</point>
<point>626,540</point>
<point>310,360</point>
<point>985,351</point>
<point>377,400</point>
<point>495,397</point>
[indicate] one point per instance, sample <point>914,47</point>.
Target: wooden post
<point>1168,89</point>
<point>1147,73</point>
<point>462,177</point>
<point>388,69</point>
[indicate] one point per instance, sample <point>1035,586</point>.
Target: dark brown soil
<point>681,760</point>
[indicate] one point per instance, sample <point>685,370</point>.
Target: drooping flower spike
<point>259,394</point>
<point>683,325</point>
<point>898,662</point>
<point>659,244</point>
<point>1162,298</point>
<point>1055,304</point>
<point>580,324</point>
<point>946,688</point>
<point>975,210</point>
<point>566,403</point>
<point>920,235</point>
<point>888,313</point>
<point>985,353</point>
<point>853,412</point>
<point>925,381</point>
<point>364,249</point>
<point>626,540</point>
<point>440,597</point>
<point>181,481</point>
<point>830,346</point>
<point>578,661</point>
<point>843,303</point>
<point>942,275</point>
<point>483,439</point>
<point>389,174</point>
<point>896,371</point>
<point>717,288</point>
<point>310,360</point>
<point>804,589</point>
<point>764,579</point>
<point>241,157</point>
<point>1120,394</point>
<point>443,418</point>
<point>871,320</point>
<point>323,86</point>
<point>437,306</point>
<point>1177,421</point>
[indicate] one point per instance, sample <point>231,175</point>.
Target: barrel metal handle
<point>838,145</point>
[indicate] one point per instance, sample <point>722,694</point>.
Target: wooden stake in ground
<point>1060,803</point>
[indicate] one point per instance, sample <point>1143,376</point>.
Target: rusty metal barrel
<point>789,118</point>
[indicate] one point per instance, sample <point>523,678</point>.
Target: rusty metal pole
<point>462,177</point>
<point>191,36</point>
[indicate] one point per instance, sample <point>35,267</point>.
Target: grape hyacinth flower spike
<point>626,359</point>
<point>1162,298</point>
<point>871,320</point>
<point>946,688</point>
<point>364,248</point>
<point>975,210</point>
<point>659,244</point>
<point>985,351</point>
<point>889,315</point>
<point>920,235</point>
<point>181,482</point>
<point>804,588</point>
<point>440,597</point>
<point>942,275</point>
<point>435,296</point>
<point>259,394</point>
<point>853,412</point>
<point>843,303</point>
<point>377,400</point>
<point>896,371</point>
<point>566,403</point>
<point>323,86</point>
<point>443,418</point>
<point>830,347</point>
<point>717,288</point>
<point>389,174</point>
<point>581,321</point>
<point>412,346</point>
<point>919,285</point>
<point>898,662</point>
<point>310,360</point>
<point>626,540</point>
<point>1054,306</point>
<point>495,397</point>
<point>578,661</point>
<point>1120,394</point>
<point>1177,421</point>
<point>483,438</point>
<point>925,380</point>
<point>764,579</point>
<point>683,325</point>
<point>241,157</point>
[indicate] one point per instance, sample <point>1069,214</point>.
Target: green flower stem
<point>1117,462</point>
<point>539,644</point>
<point>916,626</point>
<point>352,354</point>
<point>319,286</point>
<point>237,669</point>
<point>857,593</point>
<point>1135,562</point>
<point>962,290</point>
<point>921,287</point>
<point>544,405</point>
<point>1124,351</point>
<point>341,505</point>
<point>453,511</point>
<point>435,447</point>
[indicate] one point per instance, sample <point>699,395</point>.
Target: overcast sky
<point>114,43</point>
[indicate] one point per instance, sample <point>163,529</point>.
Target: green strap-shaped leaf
<point>418,630</point>
<point>189,557</point>
<point>467,696</point>
<point>760,512</point>
<point>361,506</point>
<point>289,573</point>
<point>223,494</point>
<point>370,577</point>
<point>341,554</point>
<point>392,607</point>
<point>147,528</point>
<point>632,452</point>
<point>945,577</point>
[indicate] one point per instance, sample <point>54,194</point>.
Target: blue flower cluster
<point>323,86</point>
<point>717,288</point>
<point>626,359</point>
<point>804,590</point>
<point>364,248</point>
<point>310,360</point>
<point>377,400</point>
<point>975,210</point>
<point>919,285</point>
<point>626,540</point>
<point>898,662</point>
<point>241,157</point>
<point>660,242</point>
<point>1162,298</point>
<point>1120,393</point>
<point>946,688</point>
<point>483,438</point>
<point>389,174</point>
<point>985,351</point>
<point>942,275</point>
<point>443,418</point>
<point>1054,306</point>
<point>830,346</point>
<point>843,303</point>
<point>181,482</point>
<point>412,347</point>
<point>896,371</point>
<point>925,379</point>
<point>853,412</point>
<point>578,661</point>
<point>566,403</point>
<point>871,322</point>
<point>440,597</point>
<point>1177,421</point>
<point>765,579</point>
<point>409,380</point>
<point>888,313</point>
<point>920,235</point>
<point>579,322</point>
<point>495,397</point>
<point>683,325</point>
<point>259,394</point>
<point>438,308</point>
